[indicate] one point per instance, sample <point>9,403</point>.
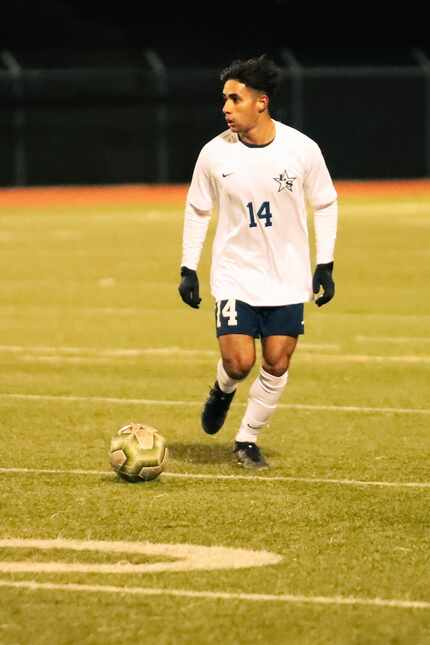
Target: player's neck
<point>262,134</point>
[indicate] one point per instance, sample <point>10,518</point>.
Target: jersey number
<point>228,311</point>
<point>262,213</point>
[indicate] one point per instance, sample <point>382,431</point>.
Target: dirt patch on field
<point>174,194</point>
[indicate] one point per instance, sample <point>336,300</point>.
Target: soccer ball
<point>138,452</point>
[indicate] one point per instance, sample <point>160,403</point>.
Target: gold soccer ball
<point>138,452</point>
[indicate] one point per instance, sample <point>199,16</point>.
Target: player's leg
<point>277,354</point>
<point>237,347</point>
<point>264,395</point>
<point>237,360</point>
<point>277,348</point>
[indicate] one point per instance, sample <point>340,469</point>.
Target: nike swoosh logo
<point>227,174</point>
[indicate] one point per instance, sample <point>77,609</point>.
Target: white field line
<point>123,311</point>
<point>90,311</point>
<point>168,403</point>
<point>364,358</point>
<point>135,351</point>
<point>201,358</point>
<point>89,354</point>
<point>188,557</point>
<point>30,310</point>
<point>108,353</point>
<point>393,339</point>
<point>401,318</point>
<point>208,477</point>
<point>218,595</point>
<point>197,359</point>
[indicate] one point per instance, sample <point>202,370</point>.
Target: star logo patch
<point>285,181</point>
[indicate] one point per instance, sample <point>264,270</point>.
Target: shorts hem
<point>238,331</point>
<point>293,334</point>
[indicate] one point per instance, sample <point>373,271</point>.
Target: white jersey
<point>261,249</point>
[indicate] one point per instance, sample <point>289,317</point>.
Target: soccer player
<point>259,174</point>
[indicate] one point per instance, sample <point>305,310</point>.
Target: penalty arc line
<point>187,557</point>
<point>218,595</point>
<point>285,406</point>
<point>207,476</point>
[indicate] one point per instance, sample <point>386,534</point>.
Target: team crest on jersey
<point>284,181</point>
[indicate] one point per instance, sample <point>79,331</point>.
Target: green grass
<point>79,288</point>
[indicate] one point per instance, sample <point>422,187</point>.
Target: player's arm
<point>321,195</point>
<point>325,220</point>
<point>196,223</point>
<point>198,210</point>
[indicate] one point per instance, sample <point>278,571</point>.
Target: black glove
<point>189,287</point>
<point>323,278</point>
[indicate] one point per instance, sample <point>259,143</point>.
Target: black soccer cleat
<point>215,409</point>
<point>249,455</point>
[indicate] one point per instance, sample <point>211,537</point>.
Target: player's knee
<point>276,369</point>
<point>238,367</point>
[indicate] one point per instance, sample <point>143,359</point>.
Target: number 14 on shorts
<point>226,309</point>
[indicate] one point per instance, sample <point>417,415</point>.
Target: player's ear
<point>262,102</point>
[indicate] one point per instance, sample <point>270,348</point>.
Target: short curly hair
<point>259,73</point>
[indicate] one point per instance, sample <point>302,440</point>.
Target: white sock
<point>225,382</point>
<point>264,395</point>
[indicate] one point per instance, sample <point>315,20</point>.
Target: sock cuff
<point>225,382</point>
<point>271,381</point>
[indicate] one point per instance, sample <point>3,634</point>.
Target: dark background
<point>86,108</point>
<point>213,33</point>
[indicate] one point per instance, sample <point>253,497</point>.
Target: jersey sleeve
<point>318,185</point>
<point>198,207</point>
<point>201,193</point>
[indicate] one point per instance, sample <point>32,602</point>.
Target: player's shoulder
<point>215,149</point>
<point>219,142</point>
<point>291,135</point>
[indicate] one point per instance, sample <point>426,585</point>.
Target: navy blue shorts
<point>237,317</point>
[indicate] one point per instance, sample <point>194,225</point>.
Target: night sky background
<point>62,32</point>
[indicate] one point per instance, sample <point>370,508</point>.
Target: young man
<point>259,174</point>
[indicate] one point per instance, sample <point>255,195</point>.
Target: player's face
<point>243,106</point>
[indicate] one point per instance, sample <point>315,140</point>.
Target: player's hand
<point>323,278</point>
<point>189,287</point>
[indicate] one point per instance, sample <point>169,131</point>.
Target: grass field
<point>93,335</point>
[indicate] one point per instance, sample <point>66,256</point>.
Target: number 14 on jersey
<point>262,213</point>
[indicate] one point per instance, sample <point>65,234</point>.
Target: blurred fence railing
<point>146,124</point>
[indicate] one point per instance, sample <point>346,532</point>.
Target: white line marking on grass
<point>162,402</point>
<point>44,310</point>
<point>135,351</point>
<point>353,408</point>
<point>365,358</point>
<point>199,357</point>
<point>304,480</point>
<point>108,353</point>
<point>7,310</point>
<point>401,318</point>
<point>393,339</point>
<point>86,354</point>
<point>209,477</point>
<point>188,557</point>
<point>218,595</point>
<point>65,360</point>
<point>314,346</point>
